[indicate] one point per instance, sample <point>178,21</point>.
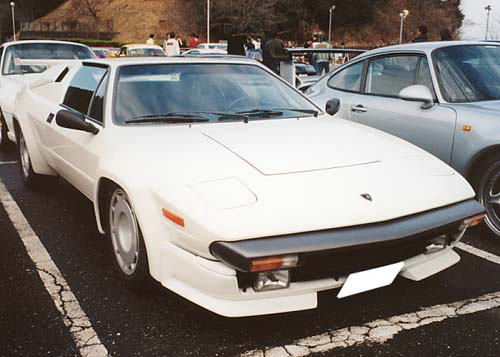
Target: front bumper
<point>218,286</point>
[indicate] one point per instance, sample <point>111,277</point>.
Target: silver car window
<point>387,76</point>
<point>348,79</point>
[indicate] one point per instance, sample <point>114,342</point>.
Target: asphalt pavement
<point>159,323</point>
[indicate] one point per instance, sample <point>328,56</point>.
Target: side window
<point>348,79</point>
<point>424,74</point>
<point>82,88</point>
<point>387,76</point>
<point>97,106</point>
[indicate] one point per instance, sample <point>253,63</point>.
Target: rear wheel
<point>487,185</point>
<point>126,241</point>
<point>30,178</point>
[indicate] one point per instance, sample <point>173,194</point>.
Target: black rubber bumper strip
<point>238,254</point>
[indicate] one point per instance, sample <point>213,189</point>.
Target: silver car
<point>441,96</point>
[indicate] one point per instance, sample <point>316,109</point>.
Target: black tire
<point>4,139</point>
<point>31,179</point>
<point>134,272</point>
<point>487,185</point>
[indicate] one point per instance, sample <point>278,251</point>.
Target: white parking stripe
<point>74,317</point>
<point>8,162</point>
<point>379,331</point>
<point>478,252</point>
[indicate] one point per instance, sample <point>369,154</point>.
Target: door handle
<point>358,109</point>
<point>50,118</point>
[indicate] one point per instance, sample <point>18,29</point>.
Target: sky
<point>474,26</point>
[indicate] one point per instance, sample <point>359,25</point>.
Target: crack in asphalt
<point>378,331</point>
<point>65,301</point>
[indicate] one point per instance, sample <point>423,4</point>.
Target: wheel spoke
<point>494,199</point>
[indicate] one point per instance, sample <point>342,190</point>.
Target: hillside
<point>355,22</point>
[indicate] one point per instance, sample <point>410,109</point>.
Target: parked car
<point>22,62</point>
<point>204,51</point>
<point>100,52</point>
<point>229,187</point>
<point>212,46</point>
<point>141,50</point>
<point>441,96</point>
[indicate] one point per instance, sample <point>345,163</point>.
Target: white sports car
<point>229,187</point>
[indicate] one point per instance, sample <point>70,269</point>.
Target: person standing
<point>151,39</point>
<point>274,52</point>
<point>195,41</point>
<point>171,45</point>
<point>322,60</point>
<point>421,34</point>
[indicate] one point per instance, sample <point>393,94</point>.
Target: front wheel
<point>126,242</point>
<point>487,187</point>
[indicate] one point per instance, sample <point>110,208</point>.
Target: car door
<point>379,105</point>
<point>75,152</point>
<point>344,85</point>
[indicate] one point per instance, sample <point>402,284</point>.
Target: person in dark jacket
<point>236,45</point>
<point>421,34</point>
<point>274,52</point>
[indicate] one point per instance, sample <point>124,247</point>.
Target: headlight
<point>225,193</point>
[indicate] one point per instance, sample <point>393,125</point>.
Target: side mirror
<point>418,93</point>
<point>333,106</point>
<point>76,121</point>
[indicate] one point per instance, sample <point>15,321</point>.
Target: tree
<point>92,9</point>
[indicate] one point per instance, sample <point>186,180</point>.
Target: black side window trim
<point>104,78</point>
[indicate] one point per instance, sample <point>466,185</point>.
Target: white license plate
<point>370,279</point>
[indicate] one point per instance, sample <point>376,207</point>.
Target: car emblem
<point>367,196</point>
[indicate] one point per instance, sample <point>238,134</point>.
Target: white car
<point>204,51</point>
<point>22,62</point>
<point>212,46</point>
<point>229,187</point>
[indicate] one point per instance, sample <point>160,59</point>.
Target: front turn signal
<point>173,217</point>
<point>474,221</point>
<point>274,263</point>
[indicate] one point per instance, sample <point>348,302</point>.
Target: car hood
<point>291,146</point>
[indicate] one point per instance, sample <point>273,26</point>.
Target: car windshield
<point>469,73</point>
<point>153,91</point>
<point>146,52</point>
<point>41,51</point>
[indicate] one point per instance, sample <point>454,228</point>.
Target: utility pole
<point>332,9</point>
<point>208,21</point>
<point>488,9</point>
<point>403,14</point>
<point>12,5</point>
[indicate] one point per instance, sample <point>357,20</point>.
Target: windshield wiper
<point>169,118</point>
<point>264,113</point>
<point>305,111</point>
<point>227,116</point>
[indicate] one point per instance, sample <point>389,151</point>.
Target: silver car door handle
<point>358,109</point>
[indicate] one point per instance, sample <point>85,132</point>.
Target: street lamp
<point>12,5</point>
<point>208,21</point>
<point>332,9</point>
<point>403,14</point>
<point>488,9</point>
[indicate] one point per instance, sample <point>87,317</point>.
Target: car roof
<point>424,47</point>
<point>115,62</point>
<point>6,44</point>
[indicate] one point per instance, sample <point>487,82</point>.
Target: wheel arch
<point>479,160</point>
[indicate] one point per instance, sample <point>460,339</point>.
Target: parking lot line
<point>478,252</point>
<point>65,301</point>
<point>8,162</point>
<point>379,331</point>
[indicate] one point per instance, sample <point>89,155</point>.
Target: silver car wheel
<point>489,196</point>
<point>124,232</point>
<point>24,155</point>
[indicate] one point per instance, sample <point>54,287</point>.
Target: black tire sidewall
<point>481,179</point>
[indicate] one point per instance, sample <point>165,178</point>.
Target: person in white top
<point>171,45</point>
<point>151,39</point>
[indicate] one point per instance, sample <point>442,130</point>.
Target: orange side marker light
<point>173,217</point>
